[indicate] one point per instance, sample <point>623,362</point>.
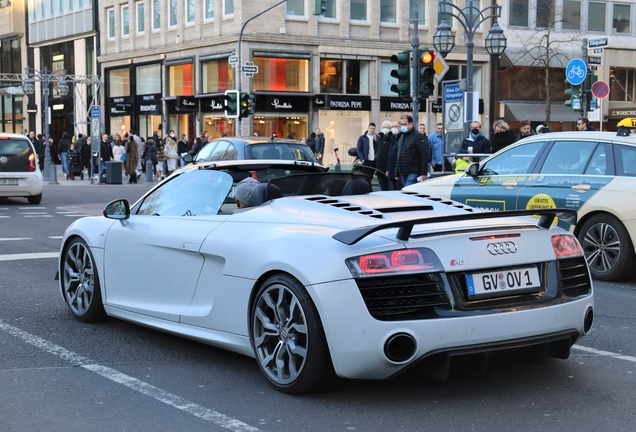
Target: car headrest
<point>356,187</point>
<point>263,193</point>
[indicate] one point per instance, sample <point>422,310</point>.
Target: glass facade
<point>180,80</point>
<point>281,74</point>
<point>217,76</point>
<point>119,82</point>
<point>353,73</point>
<point>148,79</point>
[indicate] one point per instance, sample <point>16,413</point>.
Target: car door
<point>152,262</point>
<point>571,172</point>
<point>500,178</point>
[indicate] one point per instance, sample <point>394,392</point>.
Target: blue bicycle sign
<point>576,71</point>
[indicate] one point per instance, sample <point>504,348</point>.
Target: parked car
<point>20,175</point>
<point>593,173</point>
<point>355,284</point>
<point>242,148</point>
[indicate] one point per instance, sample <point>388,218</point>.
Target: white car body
<point>19,182</point>
<point>198,276</point>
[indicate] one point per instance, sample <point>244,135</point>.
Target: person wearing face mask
<point>475,143</point>
<point>437,145</point>
<point>367,147</point>
<point>385,139</point>
<point>414,153</point>
<point>503,136</point>
<point>392,156</point>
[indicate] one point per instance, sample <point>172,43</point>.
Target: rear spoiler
<point>352,236</point>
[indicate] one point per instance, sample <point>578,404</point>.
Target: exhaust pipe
<point>400,347</point>
<point>587,321</point>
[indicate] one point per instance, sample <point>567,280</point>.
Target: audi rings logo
<point>3,160</point>
<point>502,248</point>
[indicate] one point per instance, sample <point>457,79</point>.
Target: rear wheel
<point>288,337</point>
<point>80,282</point>
<point>35,199</point>
<point>607,246</point>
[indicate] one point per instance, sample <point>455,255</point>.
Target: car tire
<point>80,282</point>
<point>286,330</point>
<point>607,246</point>
<point>35,199</point>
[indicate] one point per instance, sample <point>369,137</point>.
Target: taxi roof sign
<point>626,126</point>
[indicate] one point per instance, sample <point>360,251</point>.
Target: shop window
<point>622,84</point>
<point>209,9</point>
<point>118,82</point>
<point>295,8</point>
<point>388,11</point>
<point>141,24</point>
<point>111,23</point>
<point>181,80</point>
<point>545,13</point>
<point>281,74</point>
<point>621,21</point>
<point>217,76</point>
<point>421,11</point>
<point>571,15</point>
<point>355,73</point>
<point>358,10</point>
<point>148,79</point>
<point>596,17</point>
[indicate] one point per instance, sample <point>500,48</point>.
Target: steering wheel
<point>196,208</point>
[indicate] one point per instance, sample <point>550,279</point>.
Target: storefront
<point>282,114</point>
<point>343,119</point>
<point>181,115</point>
<point>120,111</point>
<point>213,117</point>
<point>148,110</point>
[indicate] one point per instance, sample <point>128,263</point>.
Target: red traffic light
<point>427,57</point>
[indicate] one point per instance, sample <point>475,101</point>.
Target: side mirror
<point>187,158</point>
<point>473,169</point>
<point>118,209</point>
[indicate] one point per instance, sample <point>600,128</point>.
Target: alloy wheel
<point>602,247</point>
<point>79,278</point>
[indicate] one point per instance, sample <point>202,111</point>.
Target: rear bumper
<point>28,185</point>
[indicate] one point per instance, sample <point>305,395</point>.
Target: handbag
<point>124,157</point>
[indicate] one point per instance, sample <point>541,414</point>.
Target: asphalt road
<point>57,374</point>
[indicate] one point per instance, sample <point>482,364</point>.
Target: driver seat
<point>264,192</point>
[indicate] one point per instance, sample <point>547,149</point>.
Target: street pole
<point>415,76</point>
<point>239,87</point>
<point>47,145</point>
<point>583,86</point>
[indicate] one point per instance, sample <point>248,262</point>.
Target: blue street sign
<point>576,71</point>
<point>95,112</point>
<point>453,92</point>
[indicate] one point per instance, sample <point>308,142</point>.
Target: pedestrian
<point>503,136</point>
<point>292,136</point>
<point>525,129</point>
<point>421,128</point>
<point>62,151</point>
<point>118,150</point>
<point>198,145</point>
<point>149,158</point>
<point>583,124</point>
<point>105,155</point>
<point>414,153</point>
<point>79,143</point>
<point>476,142</point>
<point>367,146</point>
<point>132,159</point>
<point>320,145</point>
<point>436,140</point>
<point>41,150</point>
<point>542,129</point>
<point>140,145</point>
<point>182,148</point>
<point>172,155</point>
<point>311,142</point>
<point>385,138</point>
<point>392,157</point>
<point>256,133</point>
<point>161,158</point>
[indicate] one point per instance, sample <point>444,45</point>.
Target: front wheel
<point>288,337</point>
<point>607,246</point>
<point>80,282</point>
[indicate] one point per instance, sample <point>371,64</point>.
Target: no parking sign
<point>600,89</point>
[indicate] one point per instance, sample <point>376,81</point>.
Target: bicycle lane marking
<point>129,381</point>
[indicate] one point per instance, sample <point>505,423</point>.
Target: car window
<point>302,153</point>
<point>192,193</point>
<point>14,147</point>
<point>625,160</point>
<point>599,165</point>
<point>514,160</point>
<point>219,151</point>
<point>231,153</point>
<point>279,151</point>
<point>205,152</point>
<point>568,157</point>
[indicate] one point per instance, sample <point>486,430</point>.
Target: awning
<point>535,112</point>
<point>5,91</point>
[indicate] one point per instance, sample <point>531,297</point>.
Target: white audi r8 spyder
<point>353,283</point>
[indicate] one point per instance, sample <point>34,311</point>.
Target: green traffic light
<point>402,73</point>
<point>230,103</point>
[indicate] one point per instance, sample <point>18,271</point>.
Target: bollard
<point>149,172</point>
<point>53,175</point>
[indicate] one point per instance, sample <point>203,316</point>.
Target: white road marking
<point>129,381</point>
<point>76,215</point>
<point>25,256</point>
<point>31,208</point>
<point>37,216</point>
<point>604,353</point>
<point>33,213</point>
<point>56,237</point>
<point>16,239</point>
<point>4,208</point>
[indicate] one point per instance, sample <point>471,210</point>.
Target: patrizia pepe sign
<point>342,102</point>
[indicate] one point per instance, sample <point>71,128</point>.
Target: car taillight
<point>31,162</point>
<point>400,261</point>
<point>566,246</point>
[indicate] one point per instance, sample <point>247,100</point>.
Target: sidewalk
<point>62,181</point>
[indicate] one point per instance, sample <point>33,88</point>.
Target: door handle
<point>509,184</point>
<point>581,188</point>
<point>190,247</point>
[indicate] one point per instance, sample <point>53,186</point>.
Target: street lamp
<point>46,77</point>
<point>470,18</point>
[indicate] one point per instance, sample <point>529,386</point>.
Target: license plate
<point>502,283</point>
<point>8,182</point>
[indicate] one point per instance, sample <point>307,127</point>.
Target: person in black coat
<point>503,136</point>
<point>311,142</point>
<point>414,153</point>
<point>477,142</point>
<point>63,148</point>
<point>105,154</point>
<point>85,153</point>
<point>392,156</point>
<point>385,139</point>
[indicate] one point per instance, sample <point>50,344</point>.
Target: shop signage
<point>120,106</point>
<point>622,113</point>
<point>398,104</point>
<point>343,102</point>
<point>149,97</point>
<point>149,107</point>
<point>282,103</point>
<point>186,103</point>
<point>212,104</point>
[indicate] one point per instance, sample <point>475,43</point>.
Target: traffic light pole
<point>415,75</point>
<point>239,77</point>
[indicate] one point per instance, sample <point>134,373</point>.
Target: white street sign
<point>600,42</point>
<point>233,59</point>
<point>249,68</point>
<point>595,60</point>
<point>455,115</point>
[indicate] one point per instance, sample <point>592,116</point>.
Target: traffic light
<point>320,7</point>
<point>247,105</point>
<point>230,103</point>
<point>575,95</point>
<point>403,87</point>
<point>590,79</point>
<point>426,87</point>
